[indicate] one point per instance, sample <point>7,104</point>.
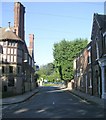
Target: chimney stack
<point>19,11</point>
<point>31,44</point>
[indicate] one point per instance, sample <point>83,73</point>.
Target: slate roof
<point>101,20</point>
<point>8,34</point>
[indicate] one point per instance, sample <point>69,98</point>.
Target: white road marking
<point>53,102</point>
<point>21,110</point>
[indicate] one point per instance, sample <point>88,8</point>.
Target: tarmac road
<point>52,102</point>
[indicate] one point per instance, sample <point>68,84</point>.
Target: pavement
<point>19,98</point>
<point>89,98</point>
<point>27,95</point>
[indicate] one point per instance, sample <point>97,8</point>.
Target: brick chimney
<point>31,44</point>
<point>19,11</point>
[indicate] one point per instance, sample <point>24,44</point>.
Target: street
<point>53,102</point>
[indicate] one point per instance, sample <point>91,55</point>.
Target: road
<point>52,102</point>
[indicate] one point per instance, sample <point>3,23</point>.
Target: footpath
<point>18,98</point>
<point>89,98</point>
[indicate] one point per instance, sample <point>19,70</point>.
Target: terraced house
<point>82,70</point>
<point>98,38</point>
<point>90,65</point>
<point>17,59</point>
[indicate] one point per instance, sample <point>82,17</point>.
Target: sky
<point>51,22</point>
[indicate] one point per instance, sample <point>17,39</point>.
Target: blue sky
<point>52,22</point>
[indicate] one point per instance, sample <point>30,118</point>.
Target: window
<point>25,57</point>
<point>8,58</point>
<point>15,51</point>
<point>11,82</point>
<point>10,69</point>
<point>19,69</point>
<point>11,51</point>
<point>4,50</point>
<point>8,50</point>
<point>97,51</point>
<point>3,69</point>
<point>11,58</point>
<point>14,58</point>
<point>89,57</point>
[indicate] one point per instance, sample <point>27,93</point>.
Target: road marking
<point>21,110</point>
<point>53,102</point>
<point>39,111</point>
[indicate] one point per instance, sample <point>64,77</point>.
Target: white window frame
<point>4,51</point>
<point>8,58</point>
<point>8,51</point>
<point>14,58</point>
<point>12,52</point>
<point>15,51</point>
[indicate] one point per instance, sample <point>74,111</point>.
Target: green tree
<point>64,53</point>
<point>48,72</point>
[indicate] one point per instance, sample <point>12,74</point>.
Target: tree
<point>48,72</point>
<point>64,53</point>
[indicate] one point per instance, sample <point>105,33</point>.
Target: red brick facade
<point>90,72</point>
<point>19,11</point>
<point>83,71</point>
<point>99,55</point>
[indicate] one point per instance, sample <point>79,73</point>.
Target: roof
<point>8,34</point>
<point>101,19</point>
<point>101,22</point>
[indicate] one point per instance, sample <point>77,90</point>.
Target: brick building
<point>90,64</point>
<point>17,60</point>
<point>19,11</point>
<point>98,37</point>
<point>82,70</point>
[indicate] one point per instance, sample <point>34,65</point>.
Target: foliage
<point>64,53</point>
<point>48,72</point>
